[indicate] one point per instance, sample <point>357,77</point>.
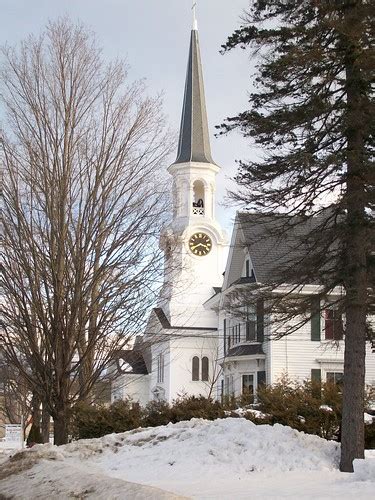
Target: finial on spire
<point>195,23</point>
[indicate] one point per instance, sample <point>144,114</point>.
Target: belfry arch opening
<point>198,198</point>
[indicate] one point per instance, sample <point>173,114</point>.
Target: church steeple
<point>194,142</point>
<point>193,242</point>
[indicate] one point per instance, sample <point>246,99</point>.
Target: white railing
<point>198,211</point>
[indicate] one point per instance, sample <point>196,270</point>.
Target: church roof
<point>194,142</point>
<point>164,321</point>
<point>135,360</point>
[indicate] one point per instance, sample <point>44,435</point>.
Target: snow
<point>326,408</point>
<point>224,459</point>
<point>369,418</point>
<point>241,412</point>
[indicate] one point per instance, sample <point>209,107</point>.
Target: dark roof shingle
<point>275,242</point>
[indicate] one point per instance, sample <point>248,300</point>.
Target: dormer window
<point>247,268</point>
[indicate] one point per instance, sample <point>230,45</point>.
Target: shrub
<point>188,407</point>
<point>156,413</point>
<point>95,421</point>
<point>305,406</point>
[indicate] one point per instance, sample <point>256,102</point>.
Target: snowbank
<point>219,444</point>
<point>223,459</point>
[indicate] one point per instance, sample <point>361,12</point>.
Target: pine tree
<point>312,116</point>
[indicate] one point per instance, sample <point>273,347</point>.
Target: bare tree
<point>83,206</point>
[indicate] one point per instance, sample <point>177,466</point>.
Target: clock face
<point>200,244</point>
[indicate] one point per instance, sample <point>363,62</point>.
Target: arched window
<point>198,200</point>
<point>205,369</point>
<point>195,368</point>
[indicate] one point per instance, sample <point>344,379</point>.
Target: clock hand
<point>196,246</point>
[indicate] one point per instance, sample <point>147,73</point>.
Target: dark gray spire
<point>194,143</point>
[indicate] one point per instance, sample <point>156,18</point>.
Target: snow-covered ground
<point>224,459</point>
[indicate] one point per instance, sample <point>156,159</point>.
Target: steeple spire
<point>194,142</point>
<point>195,23</point>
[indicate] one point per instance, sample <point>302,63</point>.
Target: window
<point>225,336</point>
<point>335,378</point>
<point>247,265</point>
<point>205,369</point>
<point>195,369</point>
<point>248,384</point>
<point>236,334</point>
<point>333,325</point>
<point>251,328</point>
<point>160,368</point>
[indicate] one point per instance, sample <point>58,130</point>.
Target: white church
<point>192,345</point>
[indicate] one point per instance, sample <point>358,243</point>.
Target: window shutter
<point>315,319</point>
<point>261,378</point>
<point>316,375</point>
<point>260,320</point>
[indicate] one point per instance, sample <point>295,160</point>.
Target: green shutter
<point>261,378</point>
<point>315,319</point>
<point>316,375</point>
<point>260,320</point>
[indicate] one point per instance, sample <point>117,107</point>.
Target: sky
<point>153,37</point>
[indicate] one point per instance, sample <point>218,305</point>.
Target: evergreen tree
<point>312,115</point>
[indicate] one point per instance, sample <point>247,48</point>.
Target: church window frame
<point>160,368</point>
<point>195,365</point>
<point>205,369</point>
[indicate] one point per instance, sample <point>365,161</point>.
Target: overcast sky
<point>153,37</point>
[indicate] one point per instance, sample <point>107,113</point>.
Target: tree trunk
<point>45,424</point>
<point>352,435</point>
<point>35,410</point>
<point>60,428</point>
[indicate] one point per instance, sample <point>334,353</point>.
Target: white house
<point>249,355</point>
<point>191,344</point>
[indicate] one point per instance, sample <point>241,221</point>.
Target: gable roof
<point>135,359</point>
<point>275,243</point>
